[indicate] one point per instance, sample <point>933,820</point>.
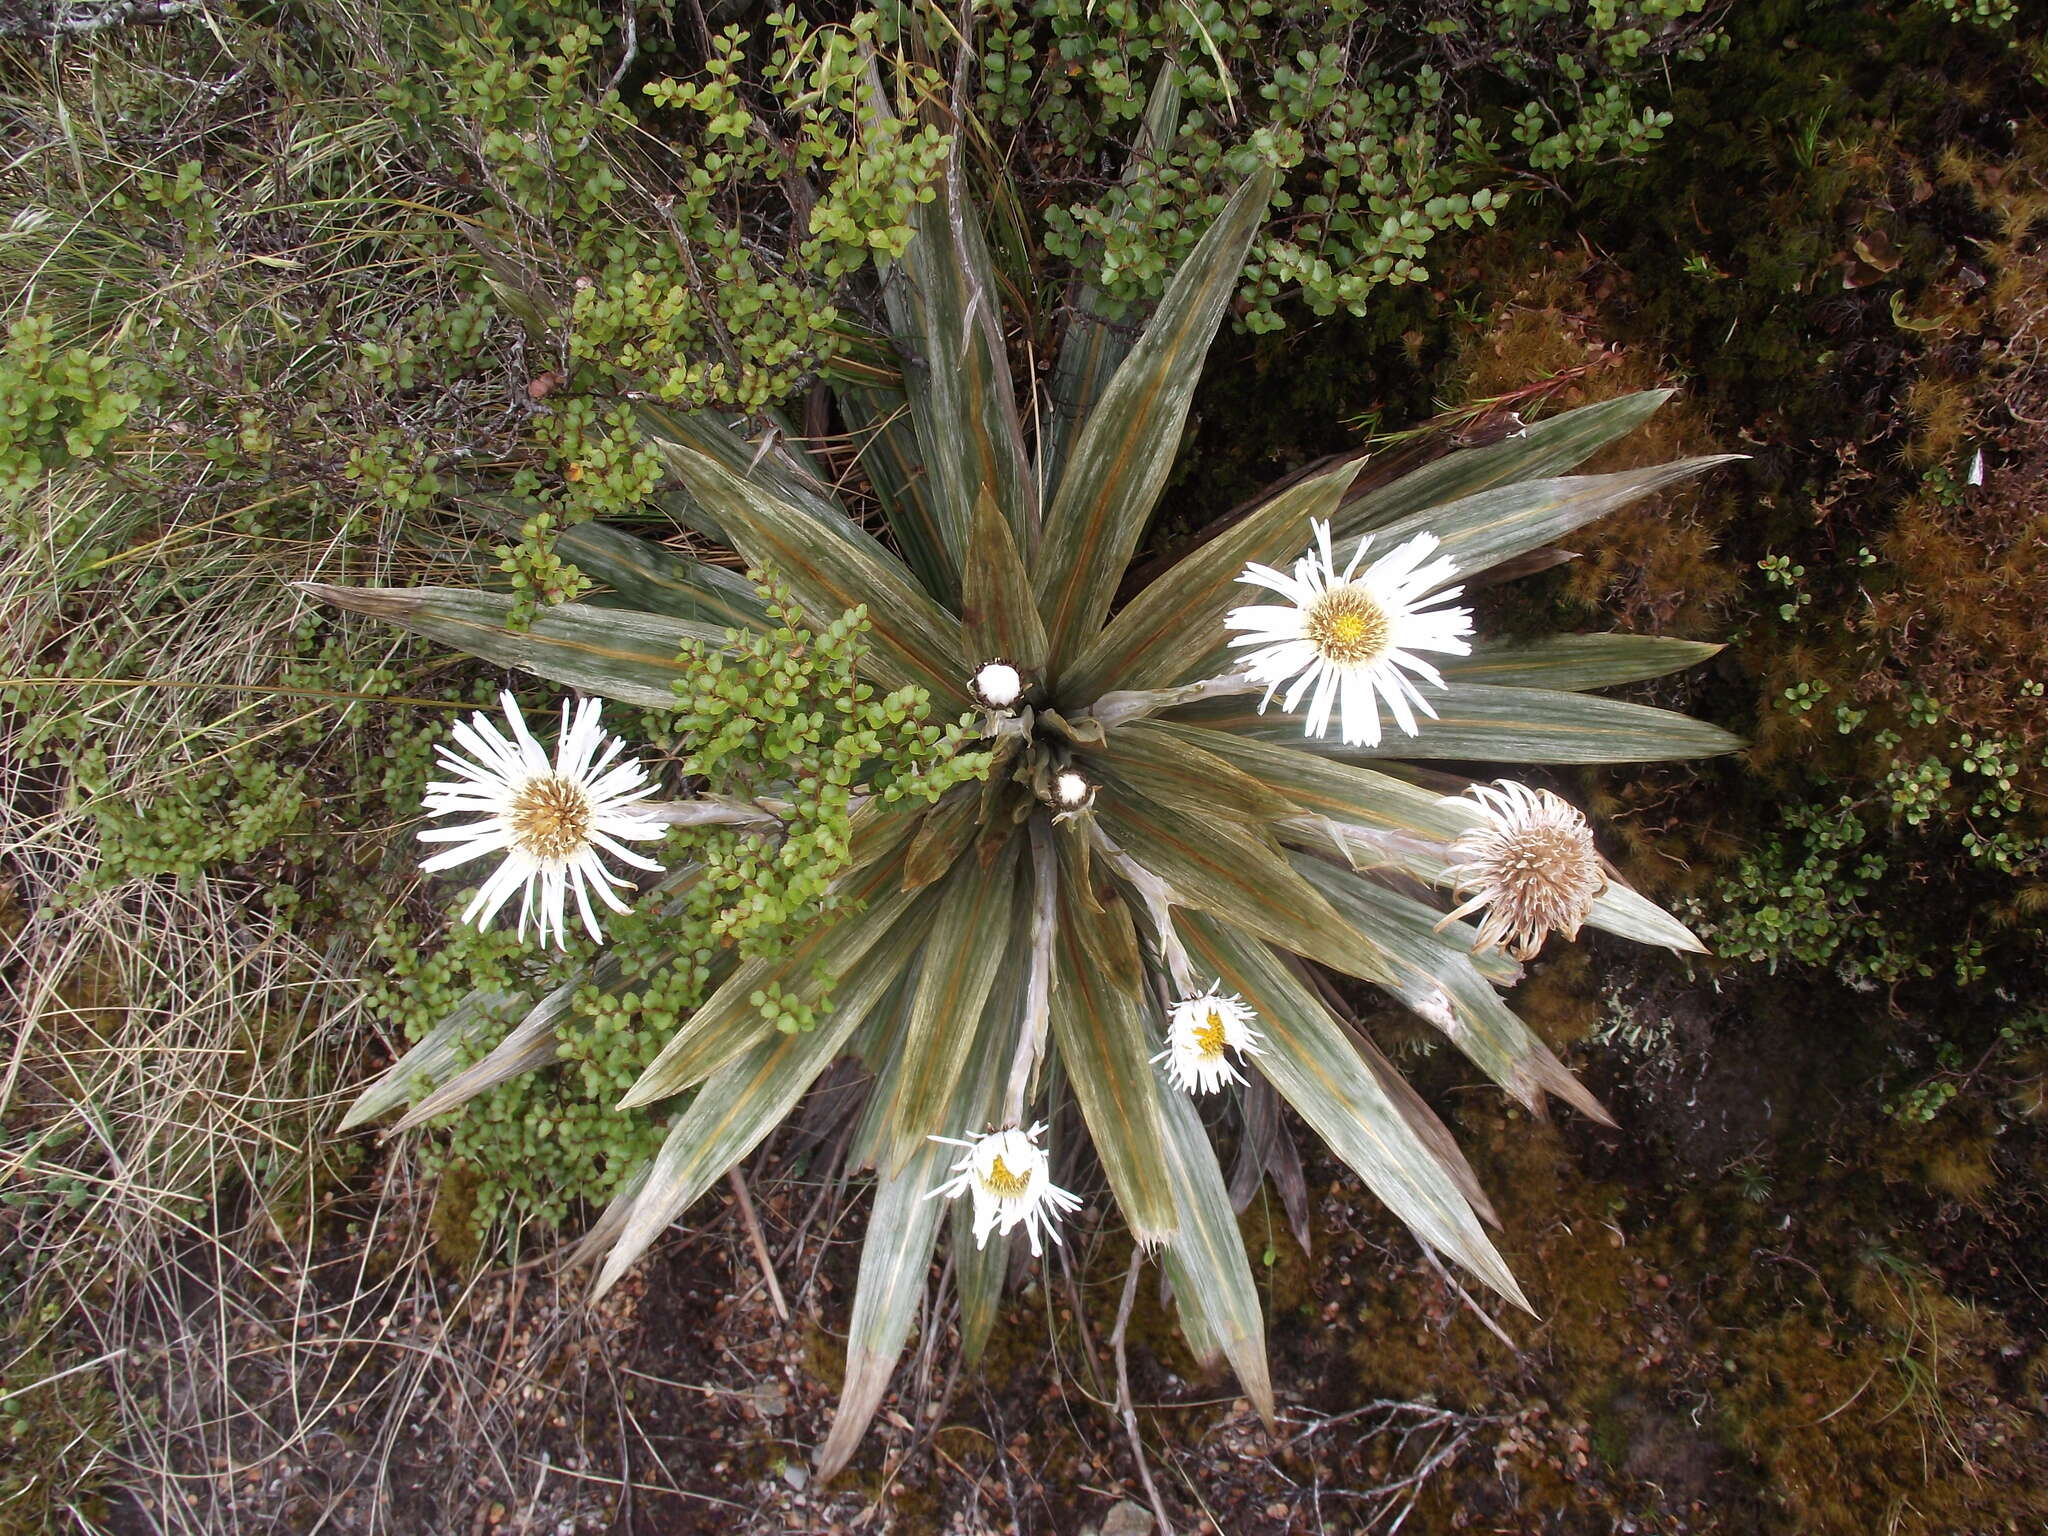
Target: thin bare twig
<point>1125,1407</point>
<point>82,20</point>
<point>760,1244</point>
<point>1465,1296</point>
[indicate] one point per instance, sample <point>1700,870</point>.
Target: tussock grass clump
<point>256,336</point>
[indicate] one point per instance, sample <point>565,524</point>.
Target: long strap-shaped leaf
<point>626,656</point>
<point>1112,479</point>
<point>1435,974</point>
<point>1164,633</point>
<point>979,1271</point>
<point>1553,446</point>
<point>1098,335</point>
<point>967,941</point>
<point>945,315</point>
<point>1218,867</point>
<point>1576,662</point>
<point>1343,797</point>
<point>730,1021</point>
<point>1308,1058</point>
<point>896,1255</point>
<point>1205,1259</point>
<point>1170,765</point>
<point>737,1106</point>
<point>885,439</point>
<point>832,570</point>
<point>655,579</point>
<point>1484,529</point>
<point>1475,722</point>
<point>1422,1120</point>
<point>1322,785</point>
<point>997,609</point>
<point>533,1041</point>
<point>530,1046</point>
<point>642,573</point>
<point>1105,1049</point>
<point>435,1057</point>
<point>767,462</point>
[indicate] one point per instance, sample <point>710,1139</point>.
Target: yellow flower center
<point>1209,1038</point>
<point>1346,626</point>
<point>1000,1181</point>
<point>550,817</point>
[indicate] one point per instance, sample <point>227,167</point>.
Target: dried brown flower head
<point>1531,862</point>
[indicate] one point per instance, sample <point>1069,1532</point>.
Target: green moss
<point>54,1421</point>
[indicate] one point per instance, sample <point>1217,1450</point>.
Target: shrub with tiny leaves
<point>56,406</point>
<point>776,716</point>
<point>534,1148</point>
<point>1402,123</point>
<point>779,715</point>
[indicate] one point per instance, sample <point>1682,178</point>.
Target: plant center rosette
<point>1083,969</point>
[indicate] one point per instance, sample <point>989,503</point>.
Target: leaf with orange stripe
<point>1476,722</point>
<point>614,653</point>
<point>1435,968</point>
<point>1120,462</point>
<point>967,940</point>
<point>741,1103</point>
<point>1105,1048</point>
<point>913,639</point>
<point>1309,1060</point>
<point>1163,633</point>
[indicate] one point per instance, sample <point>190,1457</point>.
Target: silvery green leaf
<point>1126,448</point>
<point>529,1046</point>
<point>997,608</point>
<point>833,569</point>
<point>736,1107</point>
<point>432,1059</point>
<point>1575,662</point>
<point>1105,1045</point>
<point>1435,976</point>
<point>1098,334</point>
<point>1205,1257</point>
<point>1482,530</point>
<point>1553,446</point>
<point>1307,1057</point>
<point>903,1227</point>
<point>968,937</point>
<point>1171,631</point>
<point>614,653</point>
<point>1478,723</point>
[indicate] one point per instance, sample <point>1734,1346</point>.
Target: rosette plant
<point>1158,845</point>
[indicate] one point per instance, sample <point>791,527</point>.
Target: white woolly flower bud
<point>1070,795</point>
<point>998,684</point>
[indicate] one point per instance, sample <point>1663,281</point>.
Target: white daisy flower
<point>1531,860</point>
<point>551,822</point>
<point>1011,1180</point>
<point>1197,1034</point>
<point>1348,640</point>
<point>998,684</point>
